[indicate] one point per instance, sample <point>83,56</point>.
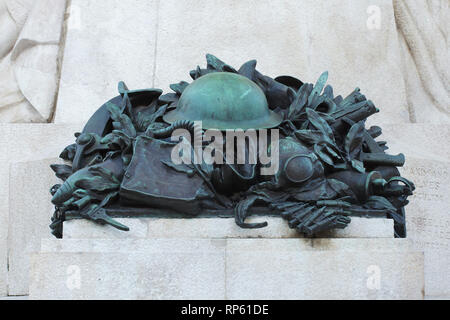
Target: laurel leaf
<point>354,140</point>
<point>320,124</point>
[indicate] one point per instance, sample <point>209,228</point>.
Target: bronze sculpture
<point>329,166</point>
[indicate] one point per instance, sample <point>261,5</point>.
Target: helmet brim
<point>272,120</point>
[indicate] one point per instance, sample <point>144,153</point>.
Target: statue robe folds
<point>424,40</point>
<point>29,49</point>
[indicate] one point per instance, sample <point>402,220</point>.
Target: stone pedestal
<point>427,218</point>
<point>214,259</point>
<point>424,215</point>
<point>217,228</point>
<point>227,269</point>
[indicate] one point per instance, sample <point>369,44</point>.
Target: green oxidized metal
<point>330,167</point>
<point>224,100</point>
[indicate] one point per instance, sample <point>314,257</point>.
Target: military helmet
<point>225,100</point>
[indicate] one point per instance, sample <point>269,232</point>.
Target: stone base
<point>427,218</point>
<point>227,269</point>
<point>214,228</point>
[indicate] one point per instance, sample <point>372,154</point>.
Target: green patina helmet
<point>224,100</point>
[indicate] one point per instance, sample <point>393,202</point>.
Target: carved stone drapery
<point>424,40</point>
<point>29,48</point>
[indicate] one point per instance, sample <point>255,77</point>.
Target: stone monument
<point>58,69</point>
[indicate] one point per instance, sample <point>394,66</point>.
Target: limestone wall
<point>158,42</point>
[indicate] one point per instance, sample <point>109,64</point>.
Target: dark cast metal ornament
<point>331,167</point>
<point>223,101</point>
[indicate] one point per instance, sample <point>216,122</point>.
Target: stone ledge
<point>227,269</point>
<point>282,245</point>
<point>437,297</point>
<point>130,269</point>
<point>207,228</point>
<point>14,298</point>
<point>330,274</point>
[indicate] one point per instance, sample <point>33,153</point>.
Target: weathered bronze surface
<point>225,100</point>
<point>331,166</point>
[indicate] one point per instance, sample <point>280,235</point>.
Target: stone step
<point>437,297</point>
<point>110,245</point>
<point>227,269</point>
<point>14,298</point>
<point>210,228</point>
